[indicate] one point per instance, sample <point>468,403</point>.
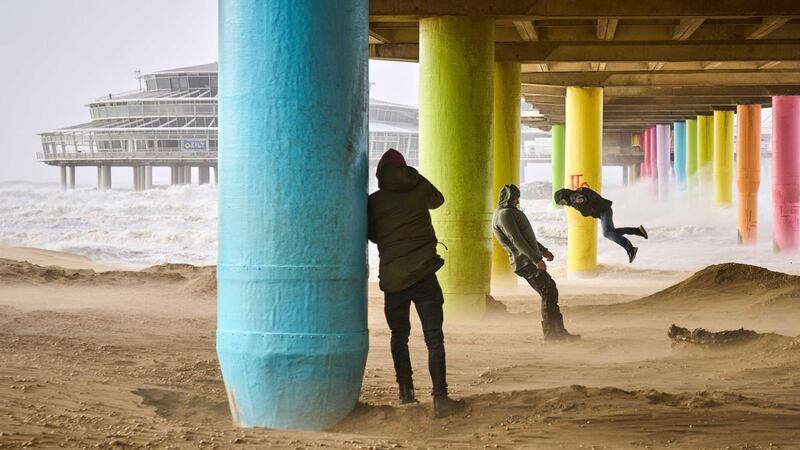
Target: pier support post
<point>584,156</point>
<point>455,138</point>
<point>705,154</point>
<point>691,155</point>
<point>62,178</point>
<point>71,177</point>
<point>148,177</point>
<point>292,320</point>
<point>136,179</point>
<point>557,160</point>
<point>202,175</point>
<point>647,153</point>
<point>748,169</point>
<point>786,173</point>
<point>679,143</point>
<point>723,158</point>
<point>625,179</point>
<point>505,167</point>
<point>663,132</point>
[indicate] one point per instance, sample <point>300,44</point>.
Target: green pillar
<point>691,153</point>
<point>705,154</point>
<point>557,159</point>
<point>456,58</point>
<point>505,167</point>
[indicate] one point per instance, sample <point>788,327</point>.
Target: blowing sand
<point>125,359</point>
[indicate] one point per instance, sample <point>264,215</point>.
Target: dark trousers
<point>543,283</point>
<point>616,234</point>
<point>428,299</point>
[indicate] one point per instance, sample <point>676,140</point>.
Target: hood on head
<point>508,194</point>
<point>397,179</point>
<point>390,158</point>
<point>562,194</point>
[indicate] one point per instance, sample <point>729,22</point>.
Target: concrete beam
<point>665,78</point>
<point>768,25</point>
<point>619,51</point>
<point>527,30</point>
<point>606,28</point>
<point>405,10</point>
<point>686,28</point>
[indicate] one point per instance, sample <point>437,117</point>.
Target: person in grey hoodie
<point>514,233</point>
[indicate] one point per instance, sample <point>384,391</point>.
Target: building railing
<point>124,156</point>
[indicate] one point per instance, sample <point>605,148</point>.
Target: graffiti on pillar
<point>575,181</point>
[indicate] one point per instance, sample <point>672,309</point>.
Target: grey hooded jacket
<point>514,232</point>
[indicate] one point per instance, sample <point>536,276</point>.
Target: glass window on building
<point>199,83</point>
<point>162,83</point>
<point>151,85</point>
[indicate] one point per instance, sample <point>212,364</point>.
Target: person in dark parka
<point>399,221</point>
<point>591,204</point>
<point>514,233</point>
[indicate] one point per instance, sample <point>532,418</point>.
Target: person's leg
<point>636,231</point>
<point>613,234</point>
<point>396,309</point>
<point>545,286</point>
<point>428,300</point>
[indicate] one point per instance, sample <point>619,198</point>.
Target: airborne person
<point>590,204</point>
<point>526,255</point>
<point>399,221</point>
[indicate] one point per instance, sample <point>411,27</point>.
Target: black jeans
<point>543,283</point>
<point>428,299</point>
<point>616,234</point>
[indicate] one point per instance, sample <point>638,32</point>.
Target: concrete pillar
<point>663,134</point>
<point>108,183</point>
<point>679,143</point>
<point>584,156</point>
<point>654,150</point>
<point>557,160</point>
<point>148,177</point>
<point>636,172</point>
<point>786,173</point>
<point>748,169</point>
<point>62,179</point>
<point>647,153</point>
<point>691,154</point>
<point>99,178</point>
<point>136,185</point>
<point>216,176</point>
<point>173,175</point>
<point>187,175</point>
<point>455,138</point>
<point>292,321</point>
<point>723,158</point>
<point>505,164</point>
<point>202,175</point>
<point>705,154</point>
<point>625,179</point>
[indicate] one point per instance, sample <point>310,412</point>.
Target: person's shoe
<point>444,406</point>
<point>563,334</point>
<point>407,394</point>
<point>632,254</point>
<point>643,232</point>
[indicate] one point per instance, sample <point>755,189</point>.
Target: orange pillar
<point>748,169</point>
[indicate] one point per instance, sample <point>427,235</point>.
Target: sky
<point>58,55</point>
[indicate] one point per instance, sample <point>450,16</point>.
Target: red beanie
<point>392,158</point>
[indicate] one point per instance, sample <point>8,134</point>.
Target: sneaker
<point>444,406</point>
<point>643,232</point>
<point>407,394</point>
<point>632,253</point>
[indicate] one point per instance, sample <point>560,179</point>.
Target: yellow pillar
<point>705,153</point>
<point>584,151</point>
<point>723,158</point>
<point>505,167</point>
<point>456,60</point>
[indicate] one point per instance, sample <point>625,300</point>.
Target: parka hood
<point>507,195</point>
<point>563,194</point>
<point>398,179</point>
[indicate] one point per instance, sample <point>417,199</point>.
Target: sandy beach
<point>125,359</point>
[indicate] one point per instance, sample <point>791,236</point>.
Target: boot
<point>643,232</point>
<point>549,332</point>
<point>444,406</point>
<point>407,394</point>
<point>632,254</point>
<point>563,334</point>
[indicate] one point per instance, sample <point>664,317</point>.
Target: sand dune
<point>125,358</point>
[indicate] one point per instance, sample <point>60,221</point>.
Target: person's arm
<point>510,225</point>
<point>435,198</point>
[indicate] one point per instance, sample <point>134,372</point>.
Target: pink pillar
<point>662,162</point>
<point>653,169</point>
<point>786,173</point>
<point>646,163</point>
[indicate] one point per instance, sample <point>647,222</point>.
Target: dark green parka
<point>399,221</point>
<point>514,232</point>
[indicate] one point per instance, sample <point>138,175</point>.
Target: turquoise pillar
<point>679,140</point>
<point>292,310</point>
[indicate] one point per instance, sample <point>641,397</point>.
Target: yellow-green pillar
<point>456,60</point>
<point>505,167</point>
<point>584,152</point>
<point>705,154</point>
<point>557,159</point>
<point>723,158</point>
<point>691,154</point>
